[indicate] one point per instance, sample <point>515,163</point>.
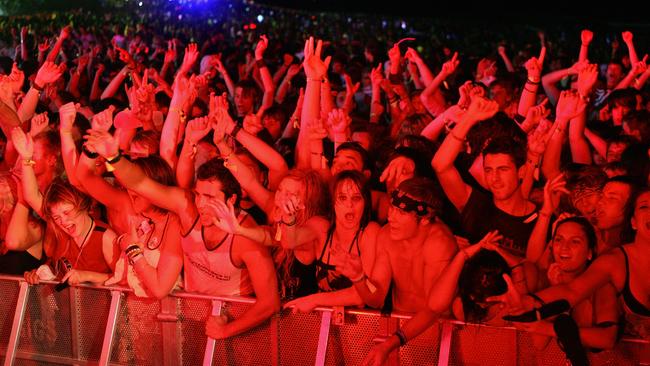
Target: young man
<point>504,207</point>
<point>415,249</point>
<point>215,262</point>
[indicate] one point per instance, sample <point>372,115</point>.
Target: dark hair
<point>627,234</point>
<point>149,138</point>
<point>213,169</point>
<point>362,184</point>
<point>507,146</point>
<point>423,189</point>
<point>637,194</point>
<point>587,228</point>
<point>422,162</point>
<point>481,277</point>
<point>639,121</point>
<point>355,146</point>
<point>496,128</point>
<point>623,97</point>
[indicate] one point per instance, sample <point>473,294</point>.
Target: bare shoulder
<point>440,243</point>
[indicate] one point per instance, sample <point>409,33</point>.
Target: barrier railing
<point>111,326</point>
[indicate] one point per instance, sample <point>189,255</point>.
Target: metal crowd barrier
<point>111,326</point>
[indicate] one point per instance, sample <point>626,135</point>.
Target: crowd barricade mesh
<point>69,327</point>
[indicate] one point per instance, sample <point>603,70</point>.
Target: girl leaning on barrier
<point>72,239</point>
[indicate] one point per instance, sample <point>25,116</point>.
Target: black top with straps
<point>326,276</point>
<point>630,301</point>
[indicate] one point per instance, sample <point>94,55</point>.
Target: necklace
<point>83,243</point>
<point>155,242</point>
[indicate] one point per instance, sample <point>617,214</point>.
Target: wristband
<point>136,257</point>
<point>88,153</point>
<point>402,337</point>
<point>528,81</point>
<point>112,160</point>
<point>29,162</point>
<point>260,63</point>
<point>235,131</point>
<point>37,87</point>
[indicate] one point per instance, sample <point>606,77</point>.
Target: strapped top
<point>631,303</point>
<point>326,276</point>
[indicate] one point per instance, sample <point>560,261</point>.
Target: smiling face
<point>571,247</point>
<point>68,218</point>
<point>501,175</point>
<point>348,204</point>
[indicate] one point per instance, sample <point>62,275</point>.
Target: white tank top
<point>212,272</point>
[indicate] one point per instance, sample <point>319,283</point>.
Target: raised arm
<point>230,85</point>
<point>580,150</point>
<point>65,33</point>
<point>586,36</point>
<point>428,95</point>
<point>628,38</point>
<point>455,188</point>
<point>537,241</point>
<point>265,74</point>
<point>24,145</point>
<point>171,198</point>
<point>281,93</point>
<point>47,74</point>
<point>528,96</point>
<point>69,155</point>
<point>425,73</point>
<point>182,100</point>
<point>22,233</point>
<point>501,50</point>
<point>550,80</point>
<point>196,130</point>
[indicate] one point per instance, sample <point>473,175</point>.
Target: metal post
<point>445,343</point>
<point>107,346</point>
<point>19,316</point>
<point>169,319</point>
<point>323,338</point>
<point>210,344</point>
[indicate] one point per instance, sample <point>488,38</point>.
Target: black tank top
<point>326,276</point>
<point>630,301</point>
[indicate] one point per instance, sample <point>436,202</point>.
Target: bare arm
<point>21,233</point>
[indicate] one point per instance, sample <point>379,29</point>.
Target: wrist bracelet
<point>235,131</point>
<point>260,63</point>
<point>37,87</point>
<point>528,81</point>
<point>456,137</point>
<point>136,257</point>
<point>402,337</point>
<point>29,162</point>
<point>316,80</point>
<point>88,153</point>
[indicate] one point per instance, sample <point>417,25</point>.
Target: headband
<point>400,200</point>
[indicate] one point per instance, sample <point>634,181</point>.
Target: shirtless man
<point>416,249</point>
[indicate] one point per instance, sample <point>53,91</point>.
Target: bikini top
<point>631,303</point>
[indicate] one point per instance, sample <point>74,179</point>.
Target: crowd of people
<point>501,186</point>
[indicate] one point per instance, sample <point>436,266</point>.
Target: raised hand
<point>225,216</point>
<point>578,66</point>
<point>67,115</point>
<point>587,77</point>
<point>44,46</point>
<point>103,143</point>
<point>197,129</point>
<point>190,56</point>
<point>49,73</point>
<point>534,66</point>
<point>222,124</point>
<point>338,121</point>
<point>501,50</point>
<point>627,37</point>
<point>538,139</point>
<point>395,56</point>
<point>412,55</point>
<point>290,206</point>
<point>126,57</point>
<point>316,129</point>
<point>23,143</point>
<point>569,106</point>
<point>315,68</point>
<point>376,75</point>
<point>553,190</point>
<point>481,109</point>
<point>293,70</point>
<point>40,123</point>
<point>398,170</point>
<point>350,88</point>
<point>170,54</point>
<point>103,120</point>
<point>16,78</point>
<point>640,67</point>
<point>586,36</point>
<point>65,32</point>
<point>261,47</point>
<point>535,114</point>
<point>450,66</point>
<point>252,124</point>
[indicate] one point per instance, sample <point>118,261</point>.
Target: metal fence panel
<point>46,329</point>
<point>476,345</point>
<point>138,336</point>
<point>299,329</point>
<point>9,291</point>
<point>422,350</point>
<point>350,343</point>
